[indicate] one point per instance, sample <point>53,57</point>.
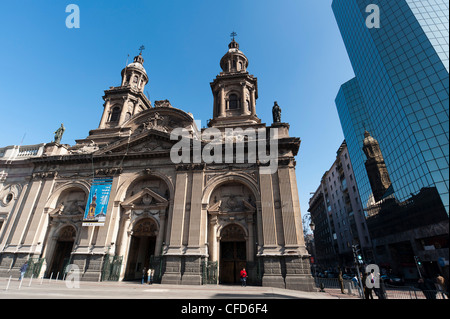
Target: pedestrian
<point>341,282</point>
<point>382,287</point>
<point>378,286</point>
<point>428,293</point>
<point>440,285</point>
<point>367,289</point>
<point>243,275</point>
<point>356,284</point>
<point>144,274</point>
<point>23,270</point>
<point>149,276</point>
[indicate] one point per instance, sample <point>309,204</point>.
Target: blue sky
<point>52,74</point>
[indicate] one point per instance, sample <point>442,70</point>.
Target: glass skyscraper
<point>400,93</point>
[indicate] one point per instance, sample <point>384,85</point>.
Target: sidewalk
<point>46,289</point>
<point>336,293</point>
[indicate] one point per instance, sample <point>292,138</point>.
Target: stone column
<point>25,213</point>
<point>222,101</point>
<point>159,239</point>
<point>124,235</point>
<point>39,218</point>
<point>251,239</point>
<point>6,232</point>
<point>49,248</point>
<point>293,232</point>
<point>213,251</point>
<point>295,258</point>
<point>124,110</point>
<point>253,102</point>
<point>267,212</point>
<point>106,110</point>
<point>243,106</point>
<point>124,240</point>
<point>196,238</point>
<point>173,256</point>
<point>176,235</point>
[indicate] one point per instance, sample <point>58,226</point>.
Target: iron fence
<point>390,291</point>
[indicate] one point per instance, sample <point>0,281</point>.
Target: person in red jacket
<point>244,277</point>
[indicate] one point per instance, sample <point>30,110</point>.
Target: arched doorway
<point>233,254</point>
<point>142,246</point>
<point>62,251</point>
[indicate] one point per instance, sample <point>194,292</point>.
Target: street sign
<point>442,262</point>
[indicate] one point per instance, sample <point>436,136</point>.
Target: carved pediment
<point>161,118</point>
<point>215,208</point>
<point>230,205</point>
<point>145,198</point>
<point>151,141</point>
<point>150,146</point>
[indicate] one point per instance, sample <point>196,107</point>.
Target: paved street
<point>133,290</point>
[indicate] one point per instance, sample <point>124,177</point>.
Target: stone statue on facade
<point>276,113</point>
<point>59,133</point>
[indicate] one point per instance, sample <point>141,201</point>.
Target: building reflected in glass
<point>400,95</point>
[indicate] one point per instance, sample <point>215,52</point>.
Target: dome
<point>368,139</point>
<point>137,65</point>
<point>233,55</point>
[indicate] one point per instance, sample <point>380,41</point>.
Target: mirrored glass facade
<point>400,92</point>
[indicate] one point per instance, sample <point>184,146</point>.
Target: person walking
<point>356,284</point>
<point>243,276</point>
<point>150,276</point>
<point>23,270</point>
<point>341,282</point>
<point>144,274</point>
<point>440,285</point>
<point>367,290</point>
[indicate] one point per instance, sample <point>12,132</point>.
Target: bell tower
<point>128,99</point>
<point>376,168</point>
<point>234,90</point>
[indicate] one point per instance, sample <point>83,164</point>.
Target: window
<point>115,114</point>
<point>233,102</point>
<point>8,198</point>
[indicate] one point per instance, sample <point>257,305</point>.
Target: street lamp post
<point>313,226</point>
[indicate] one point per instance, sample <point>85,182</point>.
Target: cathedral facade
<point>149,189</point>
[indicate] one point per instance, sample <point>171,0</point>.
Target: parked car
<point>392,280</point>
<point>347,277</point>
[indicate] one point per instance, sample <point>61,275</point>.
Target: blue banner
<point>97,205</point>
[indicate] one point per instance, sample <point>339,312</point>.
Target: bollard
<point>31,279</point>
<point>9,280</point>
<point>20,284</point>
<point>322,287</point>
<point>51,275</point>
<point>349,288</point>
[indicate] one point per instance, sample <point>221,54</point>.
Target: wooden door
<point>233,259</point>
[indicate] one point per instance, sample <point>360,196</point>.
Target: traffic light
<point>418,264</point>
<point>357,254</point>
<point>418,261</point>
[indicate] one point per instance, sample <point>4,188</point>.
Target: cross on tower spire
<point>233,34</point>
<point>141,48</point>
